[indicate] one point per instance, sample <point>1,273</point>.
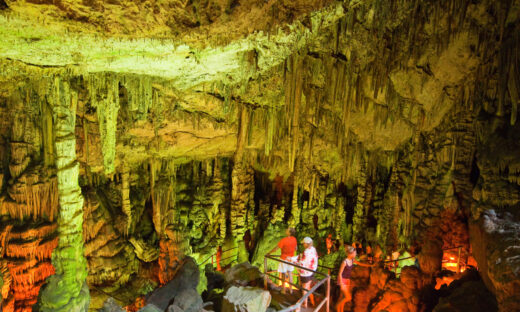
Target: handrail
<point>293,264</point>
<point>213,255</point>
<point>308,292</point>
<point>460,250</point>
<point>302,299</point>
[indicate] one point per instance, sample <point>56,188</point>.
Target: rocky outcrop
<point>187,277</point>
<point>111,260</point>
<point>466,294</point>
<point>29,207</point>
<point>493,242</point>
<point>244,299</point>
<point>243,274</point>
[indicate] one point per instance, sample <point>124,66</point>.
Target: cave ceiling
<point>200,60</point>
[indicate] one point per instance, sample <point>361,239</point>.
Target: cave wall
<point>385,121</point>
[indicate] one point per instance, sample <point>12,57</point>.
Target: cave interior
<point>138,136</point>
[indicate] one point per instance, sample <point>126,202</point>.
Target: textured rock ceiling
<point>196,54</point>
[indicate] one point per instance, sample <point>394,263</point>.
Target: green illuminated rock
<point>67,289</point>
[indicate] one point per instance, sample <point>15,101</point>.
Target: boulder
<point>186,279</point>
<point>244,274</point>
<point>470,296</point>
<point>188,300</point>
<point>403,294</point>
<point>246,299</point>
<point>111,305</point>
<point>495,239</point>
<point>150,308</point>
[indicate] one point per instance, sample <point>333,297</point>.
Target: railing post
<point>328,293</point>
<point>265,273</point>
<point>458,260</point>
<point>283,283</point>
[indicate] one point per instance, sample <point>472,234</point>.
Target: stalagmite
<point>67,289</point>
<point>241,177</point>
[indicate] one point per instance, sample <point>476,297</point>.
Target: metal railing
<point>395,264</point>
<point>309,292</point>
<point>214,259</point>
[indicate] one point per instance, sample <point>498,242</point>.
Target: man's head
<point>307,242</point>
<point>290,231</point>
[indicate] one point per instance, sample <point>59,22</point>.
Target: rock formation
<point>136,133</point>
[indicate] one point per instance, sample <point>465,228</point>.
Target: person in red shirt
<point>328,242</point>
<point>288,246</point>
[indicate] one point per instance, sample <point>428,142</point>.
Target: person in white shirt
<point>309,260</point>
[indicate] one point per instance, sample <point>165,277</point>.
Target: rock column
<point>67,289</point>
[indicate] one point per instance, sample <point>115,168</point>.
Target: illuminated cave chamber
<point>141,141</point>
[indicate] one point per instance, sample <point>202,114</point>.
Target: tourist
<point>359,249</point>
<point>377,254</point>
<point>288,247</point>
<point>370,256</point>
<point>308,260</point>
<point>344,275</point>
<point>328,242</point>
<point>403,260</point>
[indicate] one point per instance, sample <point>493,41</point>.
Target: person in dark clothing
<point>344,274</point>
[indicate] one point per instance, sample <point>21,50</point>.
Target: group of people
<point>308,261</point>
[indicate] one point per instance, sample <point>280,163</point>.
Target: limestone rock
<point>466,294</point>
<point>246,299</point>
<point>243,274</point>
<point>430,258</point>
<point>111,305</point>
<point>495,240</point>
<point>186,279</point>
<point>150,308</point>
<point>188,300</point>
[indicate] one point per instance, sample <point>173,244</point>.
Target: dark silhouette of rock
<point>185,280</point>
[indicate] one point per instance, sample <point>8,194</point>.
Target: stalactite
<point>104,96</point>
<point>38,249</point>
<point>125,194</point>
<point>161,200</point>
<point>338,220</point>
<point>270,130</point>
<point>359,216</point>
<point>295,207</point>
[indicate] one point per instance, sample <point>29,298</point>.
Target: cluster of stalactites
<point>105,91</point>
